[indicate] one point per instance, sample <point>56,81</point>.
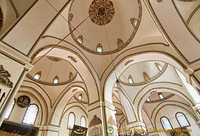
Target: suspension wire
<point>62,39</point>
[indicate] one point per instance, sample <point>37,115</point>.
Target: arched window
<point>83,122</point>
<point>37,75</point>
<point>148,99</point>
<point>80,97</point>
<point>30,115</point>
<point>161,96</point>
<point>146,76</point>
<point>9,110</point>
<point>130,79</point>
<point>56,80</point>
<point>159,67</point>
<point>71,120</point>
<point>182,120</point>
<point>165,123</point>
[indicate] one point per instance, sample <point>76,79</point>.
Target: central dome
<point>104,26</point>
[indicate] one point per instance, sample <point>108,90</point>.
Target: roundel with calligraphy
<point>23,101</point>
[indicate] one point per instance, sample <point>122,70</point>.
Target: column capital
<point>108,105</point>
<point>136,124</point>
<point>196,107</point>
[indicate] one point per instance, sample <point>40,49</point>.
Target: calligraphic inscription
<point>23,101</point>
<point>180,132</point>
<point>79,131</point>
<point>4,77</point>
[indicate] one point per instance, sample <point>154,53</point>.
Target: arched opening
<point>161,114</point>
<point>71,120</point>
<point>30,114</point>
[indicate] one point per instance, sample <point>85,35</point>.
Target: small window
<point>71,120</point>
<point>182,120</point>
<point>130,79</point>
<point>83,122</point>
<point>134,22</point>
<point>80,97</point>
<point>56,80</point>
<point>9,110</point>
<point>99,48</point>
<point>159,67</point>
<point>146,76</point>
<point>165,123</point>
<point>148,99</point>
<point>161,96</point>
<point>37,76</point>
<point>80,39</point>
<point>30,115</point>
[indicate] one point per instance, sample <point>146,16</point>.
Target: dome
<point>142,73</point>
<point>52,71</point>
<point>100,20</point>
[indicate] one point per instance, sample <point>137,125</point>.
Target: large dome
<point>98,26</point>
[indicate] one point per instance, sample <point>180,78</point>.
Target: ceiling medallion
<point>101,11</point>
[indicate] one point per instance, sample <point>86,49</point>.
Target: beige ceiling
<point>108,34</point>
<point>46,24</point>
<point>50,67</point>
<point>136,71</point>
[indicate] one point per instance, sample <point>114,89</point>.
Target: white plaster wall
<point>18,113</point>
<point>169,112</point>
<point>78,112</point>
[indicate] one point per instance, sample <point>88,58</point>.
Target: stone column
<point>48,131</point>
<point>13,68</point>
<point>96,119</point>
<point>196,109</point>
<point>101,115</point>
<point>136,127</point>
<point>111,124</point>
<point>7,94</point>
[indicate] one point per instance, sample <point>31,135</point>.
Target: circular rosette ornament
<point>101,11</point>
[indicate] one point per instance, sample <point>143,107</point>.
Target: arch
<point>180,106</point>
<point>182,120</point>
<point>63,100</point>
<point>169,87</point>
<point>30,85</point>
<point>71,108</point>
<point>120,63</point>
<point>40,98</point>
<point>126,58</point>
<point>126,104</point>
<point>30,115</point>
<point>82,65</point>
<point>189,87</point>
